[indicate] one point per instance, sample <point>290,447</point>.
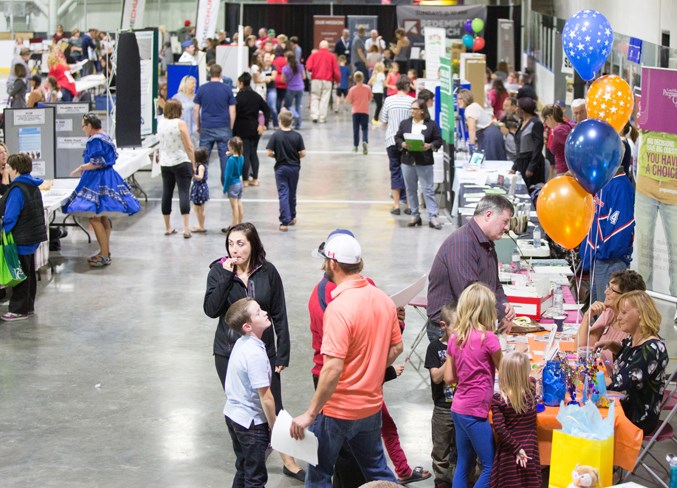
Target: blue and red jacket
<point>613,229</point>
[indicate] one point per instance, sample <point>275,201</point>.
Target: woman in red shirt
<point>279,62</point>
<point>497,96</point>
<point>62,73</point>
<point>553,117</point>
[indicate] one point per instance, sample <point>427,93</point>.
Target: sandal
<point>187,235</point>
<point>198,231</point>
<point>417,474</point>
<point>99,261</point>
<point>170,232</point>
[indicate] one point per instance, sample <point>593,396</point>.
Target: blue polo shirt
<point>214,99</point>
<point>248,370</point>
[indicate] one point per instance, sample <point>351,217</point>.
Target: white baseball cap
<point>343,248</point>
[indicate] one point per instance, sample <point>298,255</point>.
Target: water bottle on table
<point>515,261</point>
<point>537,237</point>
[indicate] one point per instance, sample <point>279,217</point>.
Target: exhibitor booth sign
<point>656,198</point>
<point>415,19</point>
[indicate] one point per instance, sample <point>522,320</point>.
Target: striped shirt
<point>396,108</point>
<point>466,256</point>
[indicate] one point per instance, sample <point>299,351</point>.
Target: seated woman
<point>640,360</point>
<point>605,328</point>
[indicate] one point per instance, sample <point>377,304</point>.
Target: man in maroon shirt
<point>324,69</point>
<point>468,255</point>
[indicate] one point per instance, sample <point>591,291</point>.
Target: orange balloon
<point>565,211</point>
<point>610,99</point>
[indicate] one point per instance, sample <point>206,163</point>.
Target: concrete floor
<point>112,382</point>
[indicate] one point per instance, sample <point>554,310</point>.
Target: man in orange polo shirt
<point>361,339</point>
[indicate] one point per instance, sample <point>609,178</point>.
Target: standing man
<point>361,339</point>
<point>215,115</point>
<point>324,69</point>
<point>342,46</point>
<point>189,54</point>
<point>358,52</point>
<point>396,108</point>
<point>578,110</point>
<point>469,255</point>
<point>375,40</point>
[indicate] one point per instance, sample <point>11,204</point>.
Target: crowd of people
<point>356,329</point>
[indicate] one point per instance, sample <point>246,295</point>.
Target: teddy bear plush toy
<point>584,477</point>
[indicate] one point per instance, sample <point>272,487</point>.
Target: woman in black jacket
<point>417,164</point>
<point>530,161</point>
<point>244,272</point>
<point>248,126</point>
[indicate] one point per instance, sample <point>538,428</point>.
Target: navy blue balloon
<point>587,40</point>
<point>593,152</point>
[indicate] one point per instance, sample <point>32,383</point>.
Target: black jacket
<point>30,226</point>
<point>265,286</point>
<point>431,135</point>
<point>249,103</point>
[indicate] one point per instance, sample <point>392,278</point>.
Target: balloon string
<point>593,262</point>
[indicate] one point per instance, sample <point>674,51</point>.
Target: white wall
<point>644,19</point>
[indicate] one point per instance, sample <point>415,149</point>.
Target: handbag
<point>11,273</point>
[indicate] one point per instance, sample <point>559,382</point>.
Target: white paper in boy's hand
<point>281,441</point>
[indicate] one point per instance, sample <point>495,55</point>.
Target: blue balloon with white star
<point>587,41</point>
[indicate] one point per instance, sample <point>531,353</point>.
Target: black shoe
<point>415,222</point>
<point>299,475</point>
<point>434,224</point>
<point>395,211</point>
<point>407,211</point>
<point>225,230</point>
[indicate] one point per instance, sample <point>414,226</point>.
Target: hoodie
<point>13,206</point>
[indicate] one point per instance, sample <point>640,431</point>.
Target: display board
<point>70,139</point>
<point>415,19</point>
<point>329,28</point>
<point>233,60</point>
<point>31,131</point>
<point>128,92</point>
<point>446,100</point>
<point>147,39</point>
<point>369,22</point>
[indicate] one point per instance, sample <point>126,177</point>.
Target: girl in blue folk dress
<point>101,190</point>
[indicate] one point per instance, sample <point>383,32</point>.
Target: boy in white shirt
<point>250,407</point>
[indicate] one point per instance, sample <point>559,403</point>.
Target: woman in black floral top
<point>640,360</point>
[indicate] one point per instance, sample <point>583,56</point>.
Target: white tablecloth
<point>476,176</point>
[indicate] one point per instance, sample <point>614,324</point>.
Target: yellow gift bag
<point>569,450</point>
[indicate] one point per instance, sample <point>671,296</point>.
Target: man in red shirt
<point>324,69</point>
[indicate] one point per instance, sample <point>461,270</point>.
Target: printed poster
<point>655,248</point>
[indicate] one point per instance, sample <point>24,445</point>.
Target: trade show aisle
<point>112,382</point>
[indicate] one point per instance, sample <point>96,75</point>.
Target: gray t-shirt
<point>358,43</point>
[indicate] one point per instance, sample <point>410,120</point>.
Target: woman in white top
<point>482,133</point>
<point>177,163</point>
<point>185,95</point>
<point>258,77</point>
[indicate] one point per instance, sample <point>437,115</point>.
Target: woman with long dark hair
<point>417,166</point>
<point>497,96</point>
<point>294,73</point>
<point>529,138</point>
<point>245,272</point>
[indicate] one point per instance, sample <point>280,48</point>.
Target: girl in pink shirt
<point>473,354</point>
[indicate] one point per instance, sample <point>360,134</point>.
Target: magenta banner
<point>659,100</point>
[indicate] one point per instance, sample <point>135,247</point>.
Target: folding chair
<point>664,432</point>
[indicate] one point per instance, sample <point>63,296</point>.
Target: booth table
<point>627,436</point>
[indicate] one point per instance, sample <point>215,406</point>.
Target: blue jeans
<point>287,179</point>
<point>474,438</point>
<point>220,136</point>
<point>603,271</point>
<point>66,96</point>
<point>271,100</point>
<point>395,165</point>
<point>250,447</point>
<point>413,174</point>
<point>360,121</point>
<point>647,210</point>
<point>362,437</point>
<point>293,101</point>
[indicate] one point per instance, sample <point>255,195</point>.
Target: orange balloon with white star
<point>610,99</point>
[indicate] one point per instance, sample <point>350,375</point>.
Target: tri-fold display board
<point>51,135</point>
